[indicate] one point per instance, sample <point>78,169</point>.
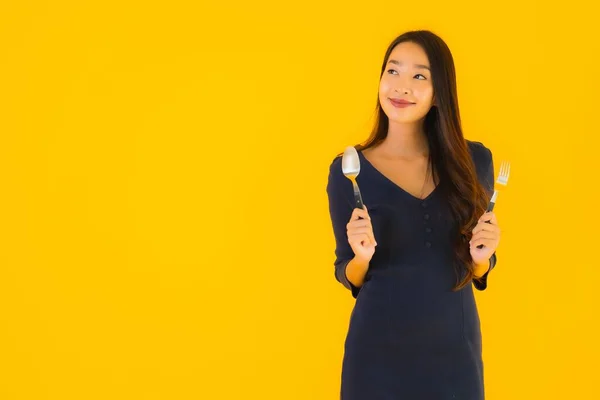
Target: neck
<point>405,140</point>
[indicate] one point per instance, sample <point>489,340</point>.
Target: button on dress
<point>410,336</point>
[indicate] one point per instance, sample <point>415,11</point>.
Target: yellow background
<point>164,223</point>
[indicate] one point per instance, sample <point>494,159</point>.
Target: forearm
<point>356,270</point>
<point>480,269</point>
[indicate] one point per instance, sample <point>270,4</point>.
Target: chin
<point>403,118</point>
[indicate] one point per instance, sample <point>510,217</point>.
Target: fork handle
<point>492,202</point>
<point>490,208</point>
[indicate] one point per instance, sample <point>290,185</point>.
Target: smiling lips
<point>401,103</point>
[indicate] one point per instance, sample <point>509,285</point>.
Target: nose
<point>404,83</point>
<point>403,87</point>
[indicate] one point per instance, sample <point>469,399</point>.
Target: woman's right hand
<point>360,234</point>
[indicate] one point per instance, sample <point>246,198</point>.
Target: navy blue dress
<point>410,336</point>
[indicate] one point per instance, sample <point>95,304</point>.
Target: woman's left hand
<point>487,234</point>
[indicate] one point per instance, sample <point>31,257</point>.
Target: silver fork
<point>502,180</point>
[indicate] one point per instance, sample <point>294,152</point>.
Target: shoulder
<point>483,162</point>
<point>338,186</point>
<point>479,151</point>
<point>336,175</point>
<point>336,163</point>
<point>481,155</point>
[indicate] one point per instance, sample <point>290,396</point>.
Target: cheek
<point>383,100</point>
<point>426,95</point>
<point>384,89</point>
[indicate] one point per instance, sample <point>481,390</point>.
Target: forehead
<point>409,53</point>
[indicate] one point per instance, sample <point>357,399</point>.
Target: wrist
<point>361,261</point>
<point>482,264</point>
<point>480,269</point>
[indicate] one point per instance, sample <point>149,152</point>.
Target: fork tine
<point>504,172</point>
<point>504,169</point>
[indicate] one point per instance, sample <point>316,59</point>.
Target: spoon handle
<point>358,203</point>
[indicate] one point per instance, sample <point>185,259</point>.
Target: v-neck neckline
<point>400,188</point>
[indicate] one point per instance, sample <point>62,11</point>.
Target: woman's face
<point>406,78</point>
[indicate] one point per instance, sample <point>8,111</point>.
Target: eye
<point>389,71</point>
<point>421,75</point>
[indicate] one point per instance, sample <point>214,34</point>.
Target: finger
<point>361,225</point>
<point>353,229</point>
<point>358,224</point>
<point>365,231</point>
<point>359,213</point>
<point>484,235</point>
<point>490,217</point>
<point>483,241</point>
<point>483,226</point>
<point>361,239</point>
<point>361,230</point>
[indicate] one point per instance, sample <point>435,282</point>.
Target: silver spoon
<point>351,169</point>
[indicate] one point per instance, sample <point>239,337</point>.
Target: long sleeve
<point>339,192</point>
<point>488,183</point>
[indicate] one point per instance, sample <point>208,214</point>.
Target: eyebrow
<point>420,66</point>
